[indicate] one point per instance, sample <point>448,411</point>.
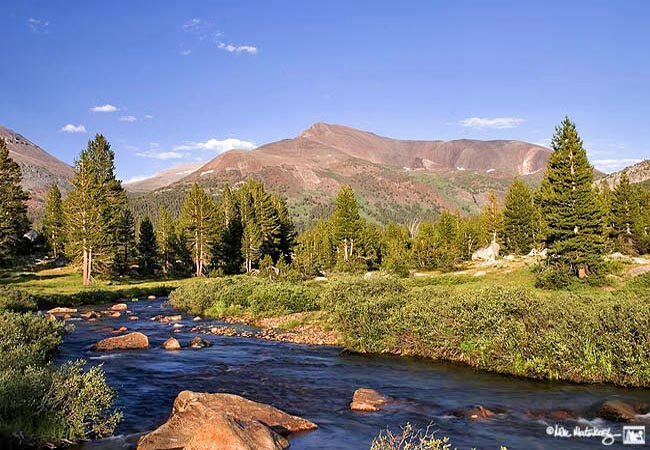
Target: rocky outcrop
<point>171,344</point>
<point>487,254</point>
<point>368,400</point>
<point>131,341</point>
<point>202,421</point>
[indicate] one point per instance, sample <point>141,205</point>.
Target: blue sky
<point>186,80</point>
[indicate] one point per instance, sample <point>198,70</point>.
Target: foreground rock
<point>61,310</point>
<point>131,341</point>
<point>171,344</point>
<point>202,421</point>
<point>368,400</point>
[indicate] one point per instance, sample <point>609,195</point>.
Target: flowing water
<point>318,383</point>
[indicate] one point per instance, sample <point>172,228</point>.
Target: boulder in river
<point>134,318</point>
<point>201,418</point>
<point>90,315</point>
<point>477,412</point>
<point>617,411</point>
<point>171,344</point>
<point>151,297</point>
<point>119,307</point>
<point>368,400</point>
<point>62,310</point>
<point>131,341</point>
<point>168,319</point>
<point>224,432</point>
<point>199,342</point>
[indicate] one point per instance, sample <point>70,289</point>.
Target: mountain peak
<point>318,129</point>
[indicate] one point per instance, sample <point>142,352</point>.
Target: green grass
<point>56,287</point>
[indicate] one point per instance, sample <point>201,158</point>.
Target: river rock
<point>477,412</point>
<point>171,344</point>
<point>198,416</point>
<point>134,318</point>
<point>223,432</point>
<point>197,319</point>
<point>90,315</point>
<point>617,411</point>
<point>151,297</point>
<point>119,307</point>
<point>199,342</point>
<point>169,319</point>
<point>131,341</point>
<point>62,310</point>
<point>115,315</point>
<point>368,400</point>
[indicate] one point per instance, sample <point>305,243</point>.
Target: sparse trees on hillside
<point>54,222</point>
<point>571,208</point>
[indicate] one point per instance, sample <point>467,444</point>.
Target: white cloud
<point>148,116</point>
<point>107,108</point>
<point>137,178</point>
<point>613,165</point>
<point>237,48</point>
<point>499,123</point>
<point>216,145</point>
<point>70,128</point>
<point>186,52</point>
<point>38,25</point>
<point>162,155</point>
<point>128,119</point>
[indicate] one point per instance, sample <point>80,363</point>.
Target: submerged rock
<point>617,411</point>
<point>368,400</point>
<point>119,307</point>
<point>131,341</point>
<point>169,319</point>
<point>477,412</point>
<point>202,421</point>
<point>90,315</point>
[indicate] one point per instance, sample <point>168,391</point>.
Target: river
<point>318,383</point>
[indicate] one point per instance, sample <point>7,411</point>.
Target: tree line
<point>249,229</point>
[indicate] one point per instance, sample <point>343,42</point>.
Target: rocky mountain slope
<point>638,173</point>
<point>162,178</point>
<point>40,169</point>
<point>394,179</point>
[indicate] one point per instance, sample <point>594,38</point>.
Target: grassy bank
<point>63,287</point>
<point>590,335</point>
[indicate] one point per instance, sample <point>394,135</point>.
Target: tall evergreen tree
<point>520,219</point>
<point>251,246</point>
<point>570,207</point>
<point>197,219</point>
<point>491,220</point>
<point>147,248</point>
<point>315,250</point>
<point>54,221</point>
<point>230,258</point>
<point>165,236</point>
<point>13,210</point>
<point>346,222</point>
<point>125,249</point>
<point>624,211</point>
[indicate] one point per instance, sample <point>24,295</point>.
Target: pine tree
<point>570,207</point>
<point>251,246</point>
<point>315,250</point>
<point>520,218</point>
<point>54,222</point>
<point>231,259</point>
<point>424,246</point>
<point>346,222</point>
<point>165,236</point>
<point>624,205</point>
<point>397,247</point>
<point>125,244</point>
<point>491,220</point>
<point>197,219</point>
<point>641,225</point>
<point>147,248</point>
<point>13,210</point>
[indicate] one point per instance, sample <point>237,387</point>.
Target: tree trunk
<point>84,267</point>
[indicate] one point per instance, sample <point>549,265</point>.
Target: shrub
<point>41,405</point>
<point>14,299</point>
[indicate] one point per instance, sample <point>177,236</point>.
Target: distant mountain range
<point>638,173</point>
<point>394,179</point>
<point>40,169</point>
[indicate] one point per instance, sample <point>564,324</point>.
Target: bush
<point>40,404</point>
<point>235,295</point>
<point>13,299</point>
<point>409,438</point>
<point>506,330</point>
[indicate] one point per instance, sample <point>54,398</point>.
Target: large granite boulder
<point>131,341</point>
<point>199,416</point>
<point>368,400</point>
